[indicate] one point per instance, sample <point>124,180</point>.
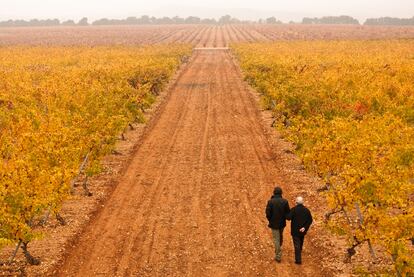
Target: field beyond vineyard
<point>197,35</point>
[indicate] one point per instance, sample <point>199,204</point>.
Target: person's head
<point>299,200</point>
<point>277,191</point>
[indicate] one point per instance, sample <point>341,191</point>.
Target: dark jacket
<point>276,211</point>
<point>300,217</point>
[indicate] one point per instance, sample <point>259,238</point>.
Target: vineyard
<point>348,107</point>
<point>152,150</point>
<point>61,108</point>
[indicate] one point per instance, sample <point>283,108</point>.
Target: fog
<point>244,9</point>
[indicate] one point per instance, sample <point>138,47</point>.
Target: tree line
<point>227,19</point>
<point>143,20</point>
<point>392,21</point>
<point>344,19</point>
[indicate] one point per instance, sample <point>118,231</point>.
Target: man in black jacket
<point>276,211</point>
<point>301,220</point>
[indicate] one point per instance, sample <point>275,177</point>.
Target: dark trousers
<point>278,241</point>
<point>298,244</point>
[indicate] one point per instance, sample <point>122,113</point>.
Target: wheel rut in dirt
<point>191,202</point>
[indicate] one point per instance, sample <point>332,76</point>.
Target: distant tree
<point>192,20</point>
<point>102,21</point>
<point>19,23</point>
<point>273,20</point>
<point>5,23</point>
<point>33,22</point>
<point>208,21</point>
<point>145,19</point>
<point>165,20</point>
<point>235,20</point>
<point>83,22</point>
<point>343,19</point>
<point>225,19</point>
<point>178,20</point>
<point>51,22</point>
<point>132,20</point>
<point>390,21</point>
<point>68,23</point>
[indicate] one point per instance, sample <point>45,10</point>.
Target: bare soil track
<point>191,202</point>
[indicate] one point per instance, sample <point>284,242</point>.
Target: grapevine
<point>348,107</point>
<point>59,105</point>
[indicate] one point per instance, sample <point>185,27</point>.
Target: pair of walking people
<point>277,212</point>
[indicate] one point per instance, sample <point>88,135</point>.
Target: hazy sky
<point>246,9</point>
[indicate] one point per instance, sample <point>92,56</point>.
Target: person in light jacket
<point>301,220</point>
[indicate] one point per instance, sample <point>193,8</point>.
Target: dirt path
<point>191,202</point>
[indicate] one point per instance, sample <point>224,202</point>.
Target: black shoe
<point>278,261</point>
<point>298,262</point>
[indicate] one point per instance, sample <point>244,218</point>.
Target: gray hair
<point>299,200</point>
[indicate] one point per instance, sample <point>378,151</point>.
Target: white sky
<point>245,9</point>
